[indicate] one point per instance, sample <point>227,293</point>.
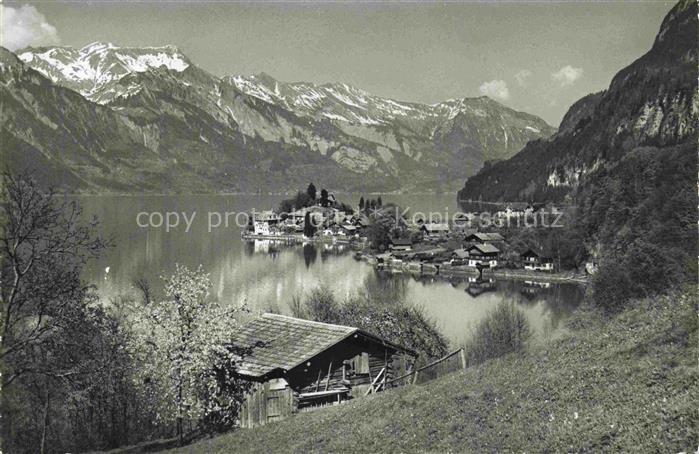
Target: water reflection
<point>309,254</point>
<point>266,275</point>
<point>477,286</point>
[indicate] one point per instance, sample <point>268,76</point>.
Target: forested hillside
<point>624,161</point>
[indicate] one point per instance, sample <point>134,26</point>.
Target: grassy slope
<point>631,380</point>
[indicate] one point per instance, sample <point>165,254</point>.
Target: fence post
<point>415,378</point>
<point>463,359</point>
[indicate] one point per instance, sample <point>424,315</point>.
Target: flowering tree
<point>186,353</point>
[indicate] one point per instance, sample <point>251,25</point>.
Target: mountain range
<point>651,105</point>
<point>148,119</point>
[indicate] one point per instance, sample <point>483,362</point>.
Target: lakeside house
<point>265,222</point>
<point>535,261</point>
<point>484,255</point>
<point>297,364</point>
<point>459,257</point>
<point>400,244</point>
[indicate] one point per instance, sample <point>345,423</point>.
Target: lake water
<point>267,276</point>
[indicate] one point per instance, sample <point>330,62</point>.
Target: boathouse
<point>297,365</point>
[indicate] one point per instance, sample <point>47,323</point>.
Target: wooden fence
<point>435,369</point>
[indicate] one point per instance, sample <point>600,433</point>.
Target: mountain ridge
<point>362,141</point>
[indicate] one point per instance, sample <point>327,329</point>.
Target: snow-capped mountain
<point>94,70</point>
<point>339,102</point>
<point>374,142</point>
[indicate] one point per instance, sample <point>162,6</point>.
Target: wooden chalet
<point>459,257</point>
<point>483,237</point>
<point>298,364</point>
<point>534,261</point>
<point>484,255</point>
<point>400,244</point>
<point>431,229</point>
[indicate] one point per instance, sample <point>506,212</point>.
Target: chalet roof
<point>434,227</point>
<point>529,253</point>
<point>485,237</point>
<point>460,253</point>
<point>401,241</point>
<point>282,343</point>
<point>486,248</point>
<point>532,253</point>
<point>268,215</point>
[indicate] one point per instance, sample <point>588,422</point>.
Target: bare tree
<point>44,246</point>
<point>144,287</point>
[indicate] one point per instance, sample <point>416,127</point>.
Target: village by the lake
<point>394,239</point>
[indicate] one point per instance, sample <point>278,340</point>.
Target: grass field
<point>627,383</point>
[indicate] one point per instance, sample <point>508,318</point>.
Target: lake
<point>266,276</point>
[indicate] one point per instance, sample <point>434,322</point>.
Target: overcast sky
<point>537,57</point>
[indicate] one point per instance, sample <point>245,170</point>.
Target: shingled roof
<point>279,342</point>
<point>486,248</point>
<point>484,237</point>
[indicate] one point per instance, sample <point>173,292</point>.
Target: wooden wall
<point>268,402</point>
<point>313,374</point>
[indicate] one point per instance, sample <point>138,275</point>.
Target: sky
<point>538,57</point>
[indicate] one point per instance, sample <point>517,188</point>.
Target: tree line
<point>369,205</point>
<point>309,197</point>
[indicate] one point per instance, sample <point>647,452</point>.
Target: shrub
<point>504,330</point>
<point>387,317</point>
<point>322,306</point>
<point>644,269</point>
<point>612,287</point>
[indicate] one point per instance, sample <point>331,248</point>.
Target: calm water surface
<point>267,276</point>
